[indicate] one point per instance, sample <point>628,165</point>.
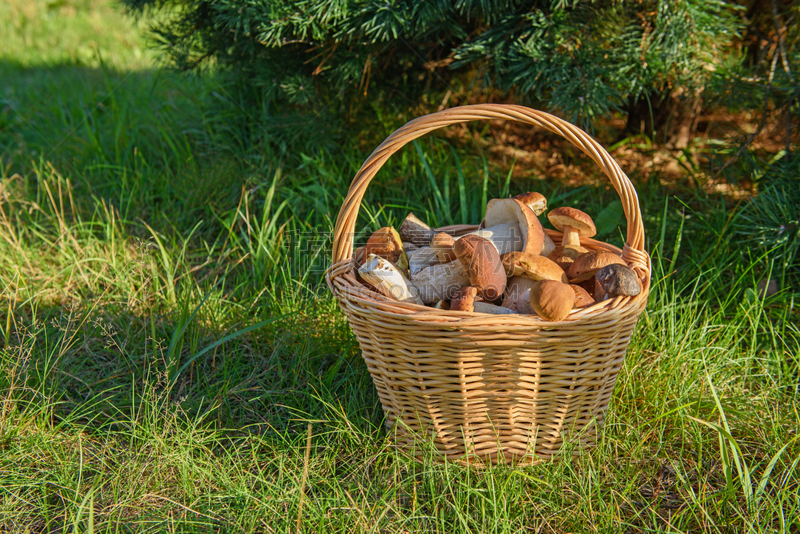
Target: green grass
<point>167,338</point>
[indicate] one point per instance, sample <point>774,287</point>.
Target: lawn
<point>172,360</point>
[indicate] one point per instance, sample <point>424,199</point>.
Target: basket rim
<point>344,228</point>
<point>354,292</point>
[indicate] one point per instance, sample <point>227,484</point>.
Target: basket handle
<point>633,252</point>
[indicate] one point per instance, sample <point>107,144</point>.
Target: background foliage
<point>654,60</point>
<point>167,340</point>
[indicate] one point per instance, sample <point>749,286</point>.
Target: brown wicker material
<point>490,388</point>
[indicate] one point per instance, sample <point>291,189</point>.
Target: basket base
<point>474,449</point>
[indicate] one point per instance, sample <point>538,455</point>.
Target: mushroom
<point>386,243</point>
<point>587,264</point>
<point>548,246</point>
<point>505,237</point>
<point>388,280</point>
<point>481,260</point>
<point>524,303</point>
<point>440,281</point>
<point>582,297</point>
<point>416,231</point>
<point>599,292</point>
<point>533,267</point>
<point>442,243</point>
<point>421,258</point>
<point>552,300</point>
<point>465,300</point>
<point>574,223</point>
<point>565,256</point>
<point>535,201</point>
<point>618,280</point>
<point>516,287</point>
<point>512,210</point>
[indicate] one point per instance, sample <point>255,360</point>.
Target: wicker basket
<point>490,388</point>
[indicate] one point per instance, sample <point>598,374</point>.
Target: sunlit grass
<point>167,337</point>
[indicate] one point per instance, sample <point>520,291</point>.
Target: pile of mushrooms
<point>508,265</point>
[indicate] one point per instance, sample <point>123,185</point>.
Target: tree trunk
<point>668,119</point>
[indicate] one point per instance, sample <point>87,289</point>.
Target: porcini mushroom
<point>587,264</point>
<point>421,258</point>
<point>443,243</point>
<point>548,246</point>
<point>388,280</point>
<point>582,297</point>
<point>532,266</point>
<point>386,243</point>
<point>565,256</point>
<point>618,280</point>
<point>505,237</point>
<point>574,223</point>
<point>440,281</point>
<point>516,287</point>
<point>481,260</point>
<point>535,201</point>
<point>416,231</point>
<point>512,210</point>
<point>465,300</point>
<point>552,300</point>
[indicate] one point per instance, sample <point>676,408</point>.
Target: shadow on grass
<point>105,367</point>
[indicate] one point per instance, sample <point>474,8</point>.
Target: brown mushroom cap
<point>599,292</point>
<point>565,256</point>
<point>535,201</point>
<point>442,243</point>
<point>385,242</point>
<point>464,300</point>
<point>619,280</point>
<point>512,210</point>
<point>481,260</point>
<point>564,217</point>
<point>582,297</point>
<point>587,264</point>
<point>552,300</point>
<point>415,231</point>
<point>532,266</point>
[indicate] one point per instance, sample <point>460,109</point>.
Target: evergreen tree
<point>651,59</point>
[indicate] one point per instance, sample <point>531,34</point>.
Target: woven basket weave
<point>490,388</point>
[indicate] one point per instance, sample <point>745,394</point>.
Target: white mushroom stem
<point>422,258</point>
<point>440,282</point>
<point>485,307</point>
<point>571,237</point>
<point>523,304</point>
<point>517,285</point>
<point>388,280</point>
<point>548,246</point>
<point>505,237</point>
